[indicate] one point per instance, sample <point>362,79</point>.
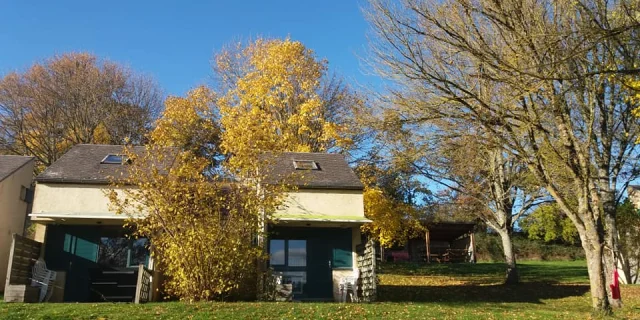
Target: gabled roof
<point>10,164</point>
<point>333,171</point>
<point>448,231</point>
<point>82,164</point>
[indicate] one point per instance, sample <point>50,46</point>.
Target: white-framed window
<point>115,159</point>
<point>305,165</point>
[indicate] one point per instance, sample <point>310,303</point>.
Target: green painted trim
<point>320,217</point>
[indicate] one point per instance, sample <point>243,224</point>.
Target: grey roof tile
<point>10,164</point>
<point>82,164</point>
<point>334,171</point>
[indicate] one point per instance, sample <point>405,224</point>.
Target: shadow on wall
<point>529,293</point>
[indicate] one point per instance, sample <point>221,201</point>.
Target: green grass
<point>549,290</point>
<point>491,273</point>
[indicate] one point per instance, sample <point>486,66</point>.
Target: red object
<point>400,256</point>
<point>615,287</point>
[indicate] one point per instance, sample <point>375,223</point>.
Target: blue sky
<point>173,41</point>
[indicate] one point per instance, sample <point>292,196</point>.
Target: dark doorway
<point>306,257</point>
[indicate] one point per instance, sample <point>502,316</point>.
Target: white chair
<point>43,278</point>
<point>349,283</point>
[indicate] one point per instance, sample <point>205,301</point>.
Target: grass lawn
<point>550,290</point>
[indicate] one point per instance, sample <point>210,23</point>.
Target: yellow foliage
<point>393,221</point>
<point>101,135</point>
<point>274,104</point>
<point>203,231</point>
<point>188,123</point>
<point>635,87</point>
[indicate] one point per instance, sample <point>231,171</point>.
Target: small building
<point>16,176</point>
<point>312,241</point>
<point>633,267</point>
<point>443,242</point>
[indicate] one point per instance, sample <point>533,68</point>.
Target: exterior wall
<point>41,231</point>
<point>83,199</point>
<point>338,274</point>
<point>324,202</point>
<point>79,199</point>
<point>13,211</point>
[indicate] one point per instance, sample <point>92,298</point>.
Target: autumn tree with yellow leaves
<point>204,228</point>
<point>275,95</point>
<point>74,98</point>
<point>190,123</point>
<point>200,182</point>
<point>389,205</point>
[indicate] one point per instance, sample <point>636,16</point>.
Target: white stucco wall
<point>72,200</point>
<point>83,199</point>
<point>339,274</point>
<point>13,212</point>
<point>324,202</point>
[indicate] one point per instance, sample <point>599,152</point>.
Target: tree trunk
<point>593,252</point>
<point>511,277</point>
<point>609,255</point>
<point>612,250</point>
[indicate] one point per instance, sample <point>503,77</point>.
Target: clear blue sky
<point>173,41</point>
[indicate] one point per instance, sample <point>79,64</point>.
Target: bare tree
<point>546,80</point>
<point>483,177</point>
<point>70,99</point>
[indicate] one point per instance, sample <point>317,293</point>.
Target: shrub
<point>489,248</point>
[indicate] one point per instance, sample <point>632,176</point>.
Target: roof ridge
<point>103,145</point>
<point>328,153</point>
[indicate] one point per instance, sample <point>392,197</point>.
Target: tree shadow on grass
<point>555,272</point>
<point>526,292</point>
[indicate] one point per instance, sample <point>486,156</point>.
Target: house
<point>16,175</point>
<point>83,239</point>
<point>312,241</point>
<point>633,258</point>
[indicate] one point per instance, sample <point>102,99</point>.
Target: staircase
<point>113,284</point>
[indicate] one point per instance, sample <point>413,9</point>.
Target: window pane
<point>297,253</point>
<point>305,165</point>
<point>342,258</point>
<point>113,252</point>
<point>276,252</point>
<point>139,253</point>
<point>298,279</point>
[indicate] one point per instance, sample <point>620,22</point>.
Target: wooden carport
<point>459,240</point>
<point>443,242</point>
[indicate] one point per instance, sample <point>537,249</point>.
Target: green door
<point>84,256</point>
<point>73,249</point>
<point>319,270</point>
<point>325,250</point>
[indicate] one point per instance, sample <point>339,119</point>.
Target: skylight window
<point>115,159</point>
<point>305,165</point>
